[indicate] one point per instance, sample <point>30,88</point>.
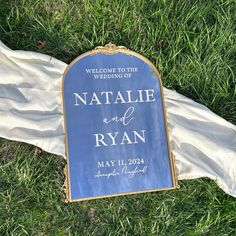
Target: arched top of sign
<point>110,49</point>
<point>115,123</point>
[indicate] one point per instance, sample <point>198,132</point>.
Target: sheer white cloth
<point>31,111</point>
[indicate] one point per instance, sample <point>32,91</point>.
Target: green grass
<point>193,45</point>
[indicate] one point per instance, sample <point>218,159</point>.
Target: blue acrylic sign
<point>116,134</point>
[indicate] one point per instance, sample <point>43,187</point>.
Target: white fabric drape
<point>31,111</point>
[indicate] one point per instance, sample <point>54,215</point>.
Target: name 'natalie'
<point>110,97</point>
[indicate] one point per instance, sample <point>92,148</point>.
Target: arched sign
<point>115,124</point>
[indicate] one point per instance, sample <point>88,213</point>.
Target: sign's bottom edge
<point>120,194</point>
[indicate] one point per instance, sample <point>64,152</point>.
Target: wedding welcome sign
<point>116,132</point>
